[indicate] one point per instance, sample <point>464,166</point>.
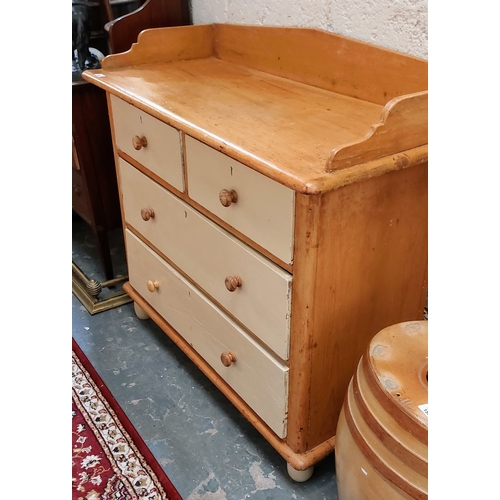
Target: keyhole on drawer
<point>185,214</point>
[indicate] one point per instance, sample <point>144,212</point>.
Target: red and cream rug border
<point>140,473</point>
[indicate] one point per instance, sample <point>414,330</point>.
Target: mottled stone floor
<point>206,447</point>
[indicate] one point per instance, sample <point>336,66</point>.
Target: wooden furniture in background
<point>274,195</point>
<point>95,190</point>
<point>123,31</point>
<point>103,12</point>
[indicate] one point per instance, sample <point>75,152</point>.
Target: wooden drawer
<point>264,210</point>
<point>80,196</point>
<point>208,254</point>
<point>162,155</point>
<point>259,379</point>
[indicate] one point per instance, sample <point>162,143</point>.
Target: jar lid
<point>397,361</point>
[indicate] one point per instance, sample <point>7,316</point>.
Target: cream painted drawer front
<point>208,254</point>
<point>162,155</point>
<point>264,210</point>
<point>256,376</point>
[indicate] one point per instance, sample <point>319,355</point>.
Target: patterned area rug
<point>110,459</point>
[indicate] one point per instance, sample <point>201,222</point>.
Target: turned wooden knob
<point>227,358</point>
<point>147,213</point>
<point>227,197</point>
<point>232,283</point>
<point>139,142</point>
<point>153,285</point>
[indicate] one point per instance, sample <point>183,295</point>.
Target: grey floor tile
<point>206,447</point>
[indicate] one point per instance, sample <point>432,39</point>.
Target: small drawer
<point>212,258</point>
<point>259,379</point>
<point>160,150</point>
<point>264,209</point>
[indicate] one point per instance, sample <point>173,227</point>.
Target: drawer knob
<point>227,197</point>
<point>139,142</point>
<point>232,283</point>
<point>153,285</point>
<point>147,213</point>
<point>227,358</point>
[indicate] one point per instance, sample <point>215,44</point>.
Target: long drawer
<point>212,258</point>
<point>257,377</point>
<point>263,209</point>
<point>161,148</point>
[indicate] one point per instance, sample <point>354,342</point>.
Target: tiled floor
<point>206,447</point>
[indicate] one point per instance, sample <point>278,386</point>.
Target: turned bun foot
<point>140,312</point>
<point>300,476</point>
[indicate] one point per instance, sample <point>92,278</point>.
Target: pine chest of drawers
<point>273,186</point>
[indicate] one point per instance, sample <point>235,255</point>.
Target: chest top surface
<point>305,107</point>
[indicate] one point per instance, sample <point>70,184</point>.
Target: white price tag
<point>424,408</point>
